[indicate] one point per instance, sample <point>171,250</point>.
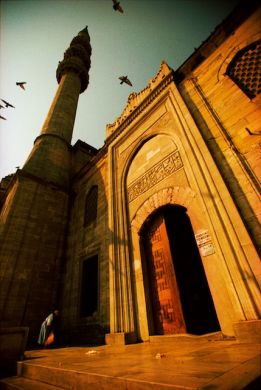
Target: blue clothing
<point>45,329</point>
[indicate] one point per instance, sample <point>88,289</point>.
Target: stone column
<point>122,322</point>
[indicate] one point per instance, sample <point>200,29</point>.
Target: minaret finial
<point>84,31</point>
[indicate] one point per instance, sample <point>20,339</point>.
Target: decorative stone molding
<point>137,102</point>
<point>171,195</point>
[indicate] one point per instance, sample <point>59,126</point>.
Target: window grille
<point>245,69</point>
<point>91,203</point>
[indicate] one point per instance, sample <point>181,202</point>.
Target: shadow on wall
<point>84,280</point>
<point>238,194</point>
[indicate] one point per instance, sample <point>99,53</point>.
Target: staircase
<point>36,377</point>
<point>31,377</point>
<point>186,362</point>
<point>15,383</point>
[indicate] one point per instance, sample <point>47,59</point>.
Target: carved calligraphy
<point>154,175</point>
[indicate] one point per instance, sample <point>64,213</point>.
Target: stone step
<point>190,338</point>
<point>20,383</point>
<point>54,376</point>
<point>60,378</point>
<point>217,364</point>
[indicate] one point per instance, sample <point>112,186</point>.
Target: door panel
<point>167,310</point>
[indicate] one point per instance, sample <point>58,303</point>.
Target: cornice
<point>227,27</point>
<point>48,183</point>
<point>22,173</point>
<point>55,136</point>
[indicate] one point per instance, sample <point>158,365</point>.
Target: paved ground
<point>190,363</point>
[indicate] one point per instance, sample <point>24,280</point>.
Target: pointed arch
<point>170,195</point>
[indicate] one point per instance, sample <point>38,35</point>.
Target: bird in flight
<point>124,79</point>
<point>251,132</point>
<point>116,6</point>
<point>1,106</point>
<point>21,84</point>
<point>7,104</point>
<point>1,117</point>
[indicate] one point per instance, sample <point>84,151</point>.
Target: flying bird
<point>124,79</point>
<point>1,106</point>
<point>251,132</point>
<point>7,104</point>
<point>116,6</point>
<point>21,84</point>
<point>1,117</point>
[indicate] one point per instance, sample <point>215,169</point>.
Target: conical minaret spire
<point>77,59</point>
<point>50,156</point>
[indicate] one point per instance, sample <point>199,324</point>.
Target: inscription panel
<point>154,175</point>
<point>204,242</point>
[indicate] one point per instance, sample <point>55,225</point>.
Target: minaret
<point>34,216</point>
<point>50,156</point>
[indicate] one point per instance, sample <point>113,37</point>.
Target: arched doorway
<point>178,296</point>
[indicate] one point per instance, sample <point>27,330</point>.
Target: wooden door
<point>167,310</point>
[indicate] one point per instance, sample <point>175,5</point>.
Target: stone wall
<point>158,156</point>
<point>33,222</point>
<point>230,122</point>
<point>83,243</point>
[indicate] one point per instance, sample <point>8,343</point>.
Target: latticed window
<point>91,203</point>
<point>245,69</point>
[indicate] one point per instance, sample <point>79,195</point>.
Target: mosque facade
<point>156,233</point>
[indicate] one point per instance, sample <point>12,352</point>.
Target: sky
<point>35,33</point>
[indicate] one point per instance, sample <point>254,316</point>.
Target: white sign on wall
<point>204,241</point>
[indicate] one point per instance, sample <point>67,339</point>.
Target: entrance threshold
<point>215,336</point>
